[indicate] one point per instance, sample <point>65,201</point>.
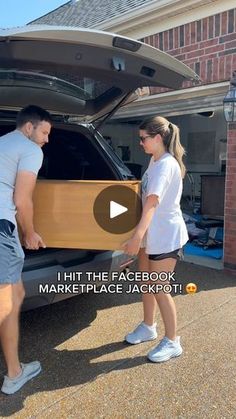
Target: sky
<point>19,12</point>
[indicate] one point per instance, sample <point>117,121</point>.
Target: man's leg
<point>5,301</point>
<point>18,373</point>
<point>9,331</point>
<point>11,296</point>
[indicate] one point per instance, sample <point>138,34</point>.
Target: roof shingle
<point>87,13</point>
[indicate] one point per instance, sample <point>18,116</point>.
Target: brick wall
<point>230,201</point>
<point>208,46</point>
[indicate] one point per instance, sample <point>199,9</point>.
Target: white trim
<point>187,101</point>
<point>162,15</point>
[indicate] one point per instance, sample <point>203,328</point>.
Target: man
<point>20,160</point>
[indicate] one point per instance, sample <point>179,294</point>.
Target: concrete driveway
<point>89,372</point>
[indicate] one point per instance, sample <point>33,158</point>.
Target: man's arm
<point>24,187</point>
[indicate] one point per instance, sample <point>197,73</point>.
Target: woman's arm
<point>132,246</point>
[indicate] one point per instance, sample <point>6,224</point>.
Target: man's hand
<point>33,241</point>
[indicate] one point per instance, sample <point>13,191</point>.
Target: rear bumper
<point>40,283</point>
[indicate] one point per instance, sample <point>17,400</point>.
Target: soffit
<point>185,101</point>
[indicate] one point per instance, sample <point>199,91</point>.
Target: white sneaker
<point>165,350</point>
<point>12,385</point>
<point>142,333</point>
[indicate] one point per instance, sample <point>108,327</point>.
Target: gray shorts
<point>11,254</point>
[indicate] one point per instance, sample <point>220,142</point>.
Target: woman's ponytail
<point>175,147</point>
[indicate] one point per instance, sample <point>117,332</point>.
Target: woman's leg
<point>149,301</point>
<point>165,301</point>
<point>146,330</point>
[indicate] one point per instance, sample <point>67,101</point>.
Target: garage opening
<point>204,137</point>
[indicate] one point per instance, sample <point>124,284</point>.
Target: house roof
<point>89,13</point>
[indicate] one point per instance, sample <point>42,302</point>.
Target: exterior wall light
<point>230,101</point>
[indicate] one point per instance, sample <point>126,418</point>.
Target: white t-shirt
<point>167,230</point>
<point>17,153</point>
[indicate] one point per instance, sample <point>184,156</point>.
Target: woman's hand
<point>132,246</point>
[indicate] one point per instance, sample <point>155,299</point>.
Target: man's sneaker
<point>11,385</point>
<point>165,350</point>
<point>142,333</point>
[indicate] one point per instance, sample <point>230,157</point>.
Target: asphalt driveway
<point>89,372</point>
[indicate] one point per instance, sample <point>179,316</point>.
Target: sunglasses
<point>143,139</point>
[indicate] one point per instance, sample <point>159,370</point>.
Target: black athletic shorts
<point>176,254</point>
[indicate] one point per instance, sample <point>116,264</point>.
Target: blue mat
<point>190,249</point>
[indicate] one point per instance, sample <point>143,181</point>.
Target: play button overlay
<point>117,209</point>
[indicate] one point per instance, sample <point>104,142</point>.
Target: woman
<point>161,232</point>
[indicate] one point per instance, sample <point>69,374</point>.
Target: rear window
<point>84,88</point>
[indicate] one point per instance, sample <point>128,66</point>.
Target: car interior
<point>70,155</point>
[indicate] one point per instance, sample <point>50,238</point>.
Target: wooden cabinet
<point>63,214</point>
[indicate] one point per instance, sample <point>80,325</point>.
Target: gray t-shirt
<point>17,153</point>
